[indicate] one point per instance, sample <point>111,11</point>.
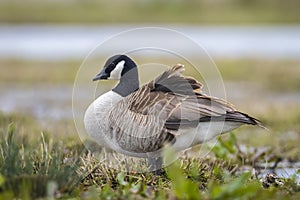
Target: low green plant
<point>28,170</point>
<point>51,167</point>
<point>183,188</point>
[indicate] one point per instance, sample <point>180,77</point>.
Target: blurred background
<point>255,45</point>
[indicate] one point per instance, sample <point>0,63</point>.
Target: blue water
<point>54,42</point>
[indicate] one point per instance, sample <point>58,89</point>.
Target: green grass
<point>53,167</point>
<point>134,11</point>
<point>31,72</point>
<point>273,75</point>
<point>276,75</point>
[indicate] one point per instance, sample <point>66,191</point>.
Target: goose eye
<point>110,68</point>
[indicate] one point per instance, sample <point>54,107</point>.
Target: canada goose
<point>170,110</point>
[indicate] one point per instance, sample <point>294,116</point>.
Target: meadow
<point>49,161</point>
<point>42,156</point>
<point>141,12</point>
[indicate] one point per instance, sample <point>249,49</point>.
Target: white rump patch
<point>116,73</point>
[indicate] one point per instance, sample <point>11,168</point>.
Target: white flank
<point>96,117</point>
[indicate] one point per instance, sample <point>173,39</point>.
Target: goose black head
<point>116,67</point>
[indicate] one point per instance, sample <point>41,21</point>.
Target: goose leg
<point>151,164</point>
<point>158,165</point>
<point>155,165</point>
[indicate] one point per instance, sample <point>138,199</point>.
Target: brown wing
<point>152,115</point>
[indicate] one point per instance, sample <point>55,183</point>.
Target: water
<point>54,42</point>
<point>40,101</point>
<point>283,170</point>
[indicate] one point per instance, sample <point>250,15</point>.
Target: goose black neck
<point>128,84</point>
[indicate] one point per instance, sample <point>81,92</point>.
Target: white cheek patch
<point>116,73</point>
